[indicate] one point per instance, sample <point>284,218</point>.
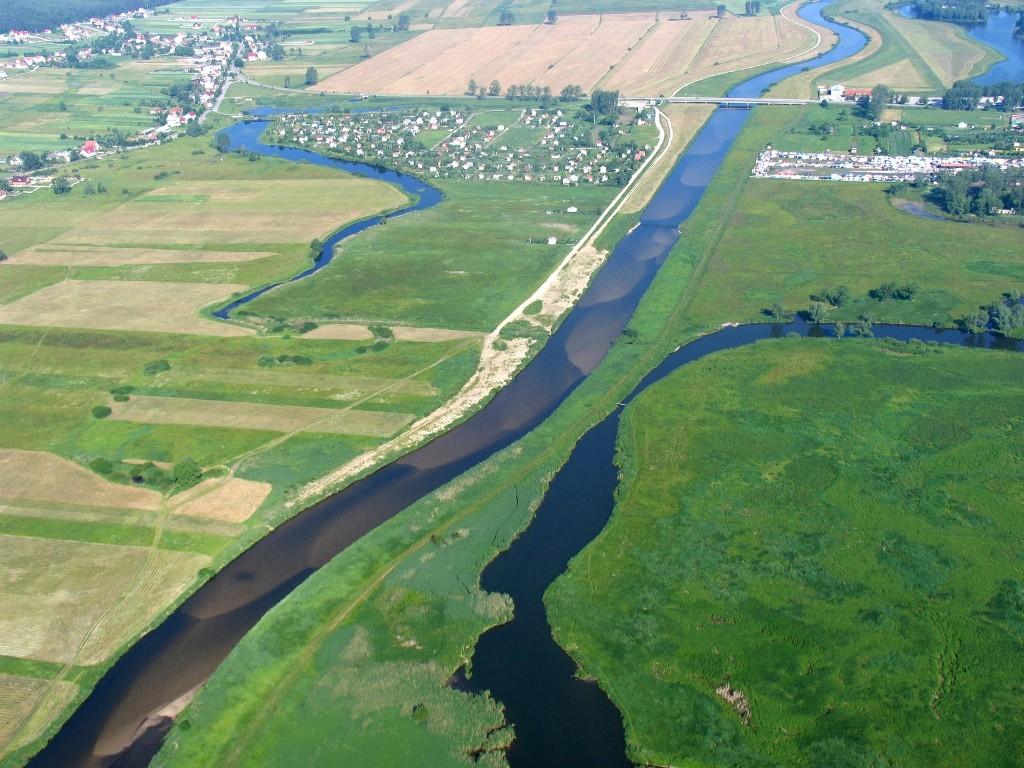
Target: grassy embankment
<point>414,578</point>
<point>916,56</point>
<point>830,529</point>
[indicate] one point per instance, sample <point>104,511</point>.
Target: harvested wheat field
<point>271,418</point>
<point>352,332</point>
<point>641,54</point>
<point>744,42</point>
<point>46,477</point>
<point>26,706</point>
<point>110,256</point>
<point>665,54</point>
<point>229,500</point>
<point>259,211</point>
<point>101,595</point>
<point>902,74</point>
<point>124,305</point>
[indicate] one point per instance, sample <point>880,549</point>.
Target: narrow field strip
<point>272,418</point>
<point>110,256</point>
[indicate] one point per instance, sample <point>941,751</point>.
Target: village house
<point>89,149</point>
<point>838,93</point>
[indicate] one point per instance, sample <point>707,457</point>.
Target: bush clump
<point>155,367</point>
<point>101,411</point>
<point>186,473</point>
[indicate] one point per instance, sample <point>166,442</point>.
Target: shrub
<point>101,411</point>
<point>101,465</point>
<point>887,291</point>
<point>381,331</point>
<point>155,367</point>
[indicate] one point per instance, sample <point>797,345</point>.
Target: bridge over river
<point>733,101</point>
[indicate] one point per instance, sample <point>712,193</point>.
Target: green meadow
<point>762,241</point>
<point>829,528</point>
<point>465,263</point>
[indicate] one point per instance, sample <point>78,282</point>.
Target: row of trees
<point>965,95</point>
<point>531,93</point>
<point>817,313</point>
<point>752,7</point>
<point>527,92</point>
<point>952,10</point>
<point>355,32</point>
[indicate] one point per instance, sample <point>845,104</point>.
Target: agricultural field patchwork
<point>143,434</point>
<point>49,108</point>
<point>812,559</point>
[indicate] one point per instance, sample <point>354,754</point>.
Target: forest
<point>35,15</point>
<point>952,10</point>
<point>965,95</point>
<point>982,193</point>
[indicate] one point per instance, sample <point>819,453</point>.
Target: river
<point>188,646</point>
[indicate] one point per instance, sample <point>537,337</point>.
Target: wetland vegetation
<point>828,529</point>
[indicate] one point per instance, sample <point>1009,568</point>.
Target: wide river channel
<point>108,729</point>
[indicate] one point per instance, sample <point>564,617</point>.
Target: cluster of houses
<point>210,46</point>
<point>541,146</point>
<point>68,33</point>
<point>773,164</point>
<point>839,94</point>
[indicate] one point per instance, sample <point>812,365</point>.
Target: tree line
<point>36,15</point>
<point>526,92</point>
